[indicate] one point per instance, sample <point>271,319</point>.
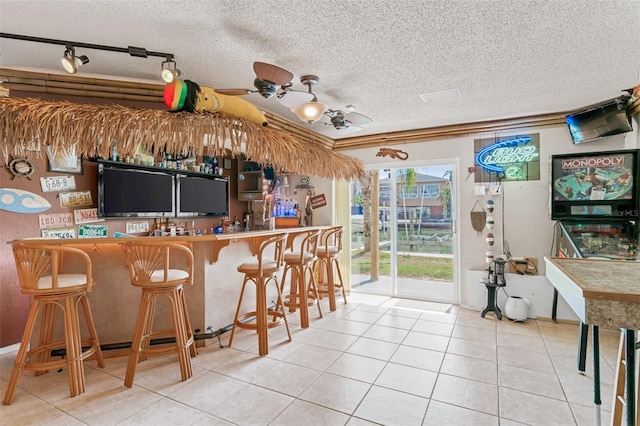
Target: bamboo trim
<point>448,132</point>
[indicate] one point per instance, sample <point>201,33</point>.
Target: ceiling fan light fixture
<point>310,112</point>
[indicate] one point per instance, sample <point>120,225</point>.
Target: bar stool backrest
<point>308,248</point>
<point>149,263</point>
<point>266,265</point>
<point>39,269</point>
<point>331,241</point>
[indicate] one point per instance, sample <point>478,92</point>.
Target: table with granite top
<point>607,294</point>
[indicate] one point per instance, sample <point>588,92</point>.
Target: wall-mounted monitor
<point>125,191</point>
<point>595,185</point>
<point>597,121</point>
<point>202,196</point>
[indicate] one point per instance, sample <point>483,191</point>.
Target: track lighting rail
<point>139,52</point>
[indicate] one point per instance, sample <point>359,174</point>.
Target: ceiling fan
<point>346,123</point>
<point>270,81</point>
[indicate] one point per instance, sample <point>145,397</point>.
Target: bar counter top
<point>186,238</point>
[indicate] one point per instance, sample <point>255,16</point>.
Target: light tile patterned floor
<point>366,363</point>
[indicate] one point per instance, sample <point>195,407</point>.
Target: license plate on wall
<point>86,216</point>
<point>57,183</point>
<point>93,231</point>
<point>55,220</point>
<point>59,233</point>
<point>74,199</point>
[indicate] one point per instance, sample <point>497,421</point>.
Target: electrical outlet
<point>495,189</point>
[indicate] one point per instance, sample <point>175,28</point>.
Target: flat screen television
<point>606,119</point>
<point>595,185</point>
<point>125,191</point>
<point>202,196</point>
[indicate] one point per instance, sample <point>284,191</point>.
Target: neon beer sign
<point>493,157</point>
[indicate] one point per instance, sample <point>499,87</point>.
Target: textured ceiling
<point>507,58</point>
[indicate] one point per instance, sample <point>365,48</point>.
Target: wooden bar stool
<point>49,293</point>
<point>329,264</point>
<point>261,273</point>
<point>299,263</point>
<point>624,380</point>
<point>149,268</point>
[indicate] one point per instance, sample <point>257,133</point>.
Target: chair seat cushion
<point>294,256</point>
<point>252,267</point>
<point>64,280</point>
<point>172,275</point>
<point>323,250</point>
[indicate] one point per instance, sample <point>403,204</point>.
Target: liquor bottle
<point>215,165</point>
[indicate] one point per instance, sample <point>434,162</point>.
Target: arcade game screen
<point>608,176</point>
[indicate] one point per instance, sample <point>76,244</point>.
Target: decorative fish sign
<point>191,97</point>
<point>393,153</point>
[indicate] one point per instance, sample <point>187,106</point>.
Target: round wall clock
<point>21,167</point>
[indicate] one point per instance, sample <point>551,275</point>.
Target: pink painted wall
<point>14,305</point>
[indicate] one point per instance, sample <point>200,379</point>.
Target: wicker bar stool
<point>49,293</point>
<point>328,264</point>
<point>299,263</point>
<point>149,268</point>
<point>261,273</point>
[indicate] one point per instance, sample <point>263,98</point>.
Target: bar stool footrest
<point>245,320</point>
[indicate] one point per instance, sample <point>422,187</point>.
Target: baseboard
<point>9,348</point>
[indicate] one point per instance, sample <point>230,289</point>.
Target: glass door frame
<point>454,187</point>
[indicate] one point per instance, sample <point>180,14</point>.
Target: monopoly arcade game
<point>595,200</point>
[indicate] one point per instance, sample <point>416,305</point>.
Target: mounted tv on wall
<point>202,196</point>
<point>129,191</point>
<point>596,185</point>
<point>597,121</point>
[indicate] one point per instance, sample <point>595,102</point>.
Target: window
<point>409,191</point>
<point>430,191</point>
<point>385,190</point>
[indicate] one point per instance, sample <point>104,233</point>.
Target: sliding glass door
<point>402,233</point>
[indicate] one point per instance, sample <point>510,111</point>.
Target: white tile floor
<point>367,363</point>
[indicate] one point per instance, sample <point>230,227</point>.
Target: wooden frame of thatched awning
<point>28,124</point>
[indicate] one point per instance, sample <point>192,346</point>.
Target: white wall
<point>527,225</point>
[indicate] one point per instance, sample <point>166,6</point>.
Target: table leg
<point>597,402</point>
<point>631,380</point>
<point>582,347</point>
<point>554,306</point>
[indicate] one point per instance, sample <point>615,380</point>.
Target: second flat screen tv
<point>202,196</point>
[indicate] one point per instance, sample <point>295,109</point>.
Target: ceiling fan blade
<point>294,99</point>
<point>349,129</point>
<point>272,73</point>
<point>235,92</point>
<point>357,118</point>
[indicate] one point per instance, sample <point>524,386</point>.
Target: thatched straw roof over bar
<point>28,124</point>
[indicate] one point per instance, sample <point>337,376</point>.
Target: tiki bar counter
<point>211,300</point>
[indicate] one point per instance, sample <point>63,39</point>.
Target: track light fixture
<point>169,70</point>
<point>71,62</point>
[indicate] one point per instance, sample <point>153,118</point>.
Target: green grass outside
<point>408,266</point>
